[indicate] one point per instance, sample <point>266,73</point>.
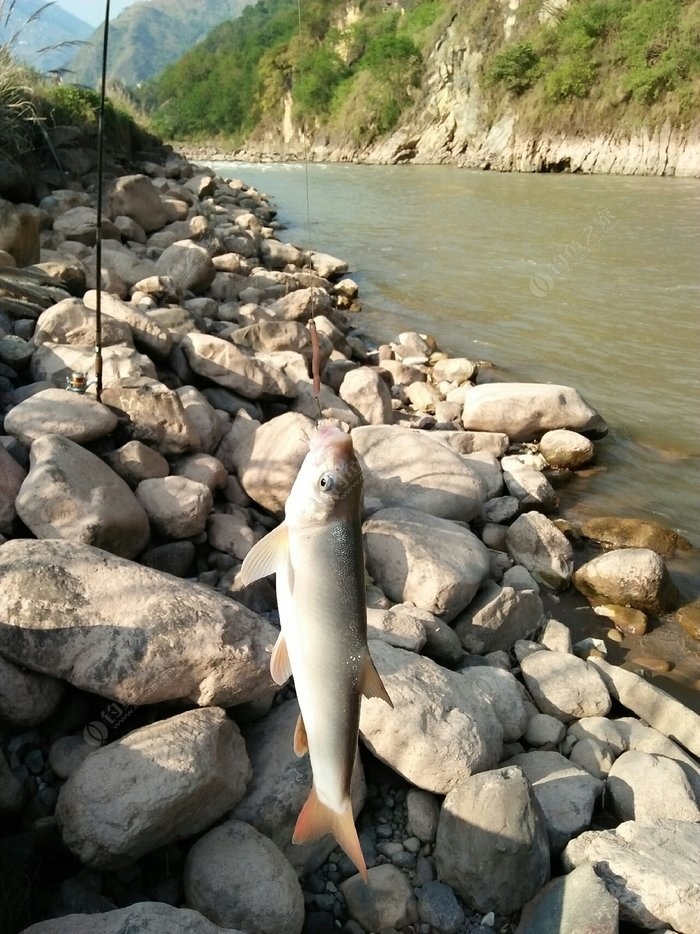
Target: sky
<point>93,11</point>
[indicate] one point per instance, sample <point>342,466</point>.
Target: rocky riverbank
<point>147,775</point>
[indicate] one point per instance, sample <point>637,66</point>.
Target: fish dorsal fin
<point>370,683</point>
<point>265,556</point>
<point>301,742</point>
<point>280,669</point>
<point>317,819</point>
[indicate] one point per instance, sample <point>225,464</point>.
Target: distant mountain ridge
<point>38,42</point>
<point>147,36</point>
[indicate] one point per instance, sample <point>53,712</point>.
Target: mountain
<point>147,36</point>
<point>478,83</point>
<point>37,33</point>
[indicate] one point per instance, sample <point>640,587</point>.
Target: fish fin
<point>301,742</point>
<point>265,556</point>
<point>317,819</point>
<point>370,683</point>
<point>280,669</point>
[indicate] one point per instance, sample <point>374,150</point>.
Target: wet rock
<point>224,364</point>
<point>442,727</point>
<point>26,698</point>
<point>365,391</point>
<point>177,507</point>
<point>12,476</point>
<point>434,563</point>
<point>635,577</point>
<point>407,468</point>
<point>164,638</point>
<point>524,411</point>
<point>575,904</point>
<point>651,868</point>
<point>158,784</point>
<point>644,787</point>
<point>384,902</point>
<point>153,414</point>
<point>237,877</point>
<point>497,618</point>
<point>280,785</point>
<point>136,197</point>
<point>567,794</point>
<point>70,493</point>
<point>564,686</point>
<point>491,842</point>
<point>535,542</point>
<point>58,412</point>
<point>135,461</point>
<point>620,532</point>
<point>626,619</point>
<point>666,714</point>
<point>145,917</point>
<point>565,449</point>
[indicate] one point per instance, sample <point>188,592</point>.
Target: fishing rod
<point>100,185</point>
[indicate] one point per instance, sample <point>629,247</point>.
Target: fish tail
<point>317,819</point>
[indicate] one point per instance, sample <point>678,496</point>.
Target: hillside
<point>146,37</point>
<point>39,34</point>
<point>437,80</point>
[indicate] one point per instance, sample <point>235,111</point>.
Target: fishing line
<point>100,185</point>
<point>315,347</point>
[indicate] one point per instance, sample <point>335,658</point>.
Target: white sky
<point>93,11</point>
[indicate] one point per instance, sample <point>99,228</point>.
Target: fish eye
<point>326,482</point>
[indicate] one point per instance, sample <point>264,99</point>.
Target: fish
<point>318,559</point>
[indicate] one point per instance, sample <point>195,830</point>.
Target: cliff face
<point>453,122</point>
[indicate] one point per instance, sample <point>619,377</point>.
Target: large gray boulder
<point>525,411</point>
<point>136,197</point>
<point>643,786</point>
<point>442,727</point>
<point>534,541</point>
<point>144,917</point>
<point>152,413</point>
<point>497,618</point>
<point>177,507</point>
<point>564,686</point>
<point>188,264</point>
<point>434,563</point>
<point>56,362</point>
<point>652,868</point>
<point>635,577</point>
<point>236,876</point>
<point>59,412</point>
<point>67,608</point>
<point>148,335</point>
<point>70,493</point>
<point>365,391</point>
<point>408,468</point>
<point>384,902</point>
<point>159,784</point>
<point>71,322</point>
<point>224,364</point>
<point>575,904</point>
<point>491,842</point>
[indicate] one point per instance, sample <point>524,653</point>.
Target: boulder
<point>152,413</point>
<point>148,335</point>
<point>544,731</point>
<point>188,264</point>
<point>12,476</point>
<point>280,785</point>
<point>635,577</point>
<point>525,411</point>
<point>438,907</point>
<point>491,842</point>
<point>527,484</point>
<point>26,698</point>
<point>177,507</point>
<point>300,305</point>
<point>55,363</point>
<point>135,461</point>
<point>556,636</point>
<point>231,533</point>
<point>79,418</point>
<point>70,493</point>
<point>236,876</point>
<point>365,391</point>
<point>422,815</point>
<point>159,784</point>
<point>385,901</point>
<point>643,787</point>
<point>136,197</point>
<point>564,686</point>
<point>224,364</point>
<point>202,468</point>
<point>620,532</point>
<point>497,618</point>
<point>453,370</point>
<point>534,541</point>
<point>434,563</point>
<point>408,468</point>
<point>208,423</point>
<point>566,793</point>
<point>575,904</point>
<point>19,232</point>
<point>398,625</point>
<point>80,224</point>
<point>442,727</point>
<point>144,917</point>
<point>565,449</point>
<point>652,868</point>
<point>68,607</point>
<point>327,266</point>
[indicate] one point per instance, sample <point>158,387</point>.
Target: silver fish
<point>317,556</point>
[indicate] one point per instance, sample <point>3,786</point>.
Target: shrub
<point>516,67</point>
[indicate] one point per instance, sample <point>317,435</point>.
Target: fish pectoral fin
<point>317,819</point>
<point>266,556</point>
<point>280,668</point>
<point>301,742</point>
<point>370,683</point>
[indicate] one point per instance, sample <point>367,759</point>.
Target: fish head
<point>329,482</point>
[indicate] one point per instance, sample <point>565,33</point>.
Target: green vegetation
<point>360,74</point>
<point>621,58</point>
